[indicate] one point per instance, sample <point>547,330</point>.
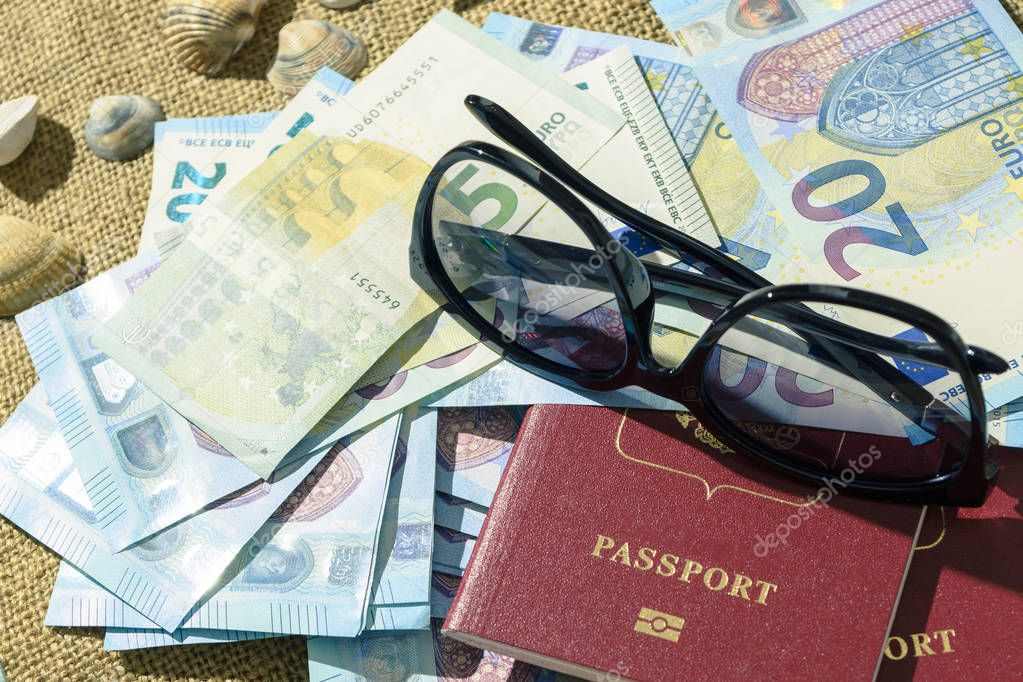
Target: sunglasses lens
<point>882,414</point>
<point>527,268</point>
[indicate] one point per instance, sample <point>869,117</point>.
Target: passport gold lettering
<point>646,558</point>
<point>897,648</point>
<point>740,584</point>
<point>669,564</point>
<point>714,578</point>
<point>622,554</point>
<point>921,644</point>
<point>691,568</point>
<point>603,542</point>
<point>715,584</point>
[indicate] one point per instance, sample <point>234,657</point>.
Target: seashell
<point>307,46</point>
<point>121,126</point>
<point>17,126</point>
<point>205,34</point>
<point>35,264</point>
<point>339,4</point>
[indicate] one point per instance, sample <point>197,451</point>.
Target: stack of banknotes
<point>263,426</point>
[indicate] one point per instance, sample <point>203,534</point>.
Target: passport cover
<point>962,607</point>
<point>635,544</point>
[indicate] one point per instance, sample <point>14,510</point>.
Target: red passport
<point>635,544</point>
<point>961,611</point>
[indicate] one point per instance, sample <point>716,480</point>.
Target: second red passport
<point>637,545</point>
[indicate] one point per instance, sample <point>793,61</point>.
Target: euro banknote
<point>144,466</point>
<point>443,587</point>
<point>121,639</point>
<point>76,601</point>
<point>451,550</point>
<point>459,515</point>
<point>161,578</point>
<point>473,445</point>
<point>423,656</point>
<point>715,26</point>
<point>645,163</point>
<point>315,555</point>
<point>191,157</point>
<point>309,569</point>
<point>384,618</point>
<point>507,384</point>
<point>741,213</point>
<point>220,147</point>
<point>284,291</point>
<point>889,177</point>
<point>1005,424</point>
<point>406,536</point>
<point>372,402</point>
<point>438,335</point>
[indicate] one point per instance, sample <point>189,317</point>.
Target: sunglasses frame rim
<point>967,485</point>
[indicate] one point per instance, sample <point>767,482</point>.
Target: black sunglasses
<point>805,376</point>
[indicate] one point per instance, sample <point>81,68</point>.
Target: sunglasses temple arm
<point>513,132</point>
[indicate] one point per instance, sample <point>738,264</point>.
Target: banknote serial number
<point>375,112</point>
<point>375,290</point>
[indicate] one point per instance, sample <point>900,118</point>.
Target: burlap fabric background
<point>68,52</point>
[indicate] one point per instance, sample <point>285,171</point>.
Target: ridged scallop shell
<point>35,264</point>
<point>204,34</point>
<point>307,46</point>
<point>121,126</point>
<point>17,126</point>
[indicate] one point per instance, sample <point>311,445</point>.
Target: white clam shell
<point>17,126</point>
<point>35,264</point>
<point>121,126</point>
<point>307,46</point>
<point>204,34</point>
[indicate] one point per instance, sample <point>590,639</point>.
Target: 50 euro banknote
<point>284,291</point>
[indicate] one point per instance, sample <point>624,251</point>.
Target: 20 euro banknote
<point>191,158</point>
<point>884,134</point>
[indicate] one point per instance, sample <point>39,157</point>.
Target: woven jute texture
<point>68,52</point>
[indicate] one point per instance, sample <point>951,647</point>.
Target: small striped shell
<point>35,264</point>
<point>204,34</point>
<point>307,46</point>
<point>121,126</point>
